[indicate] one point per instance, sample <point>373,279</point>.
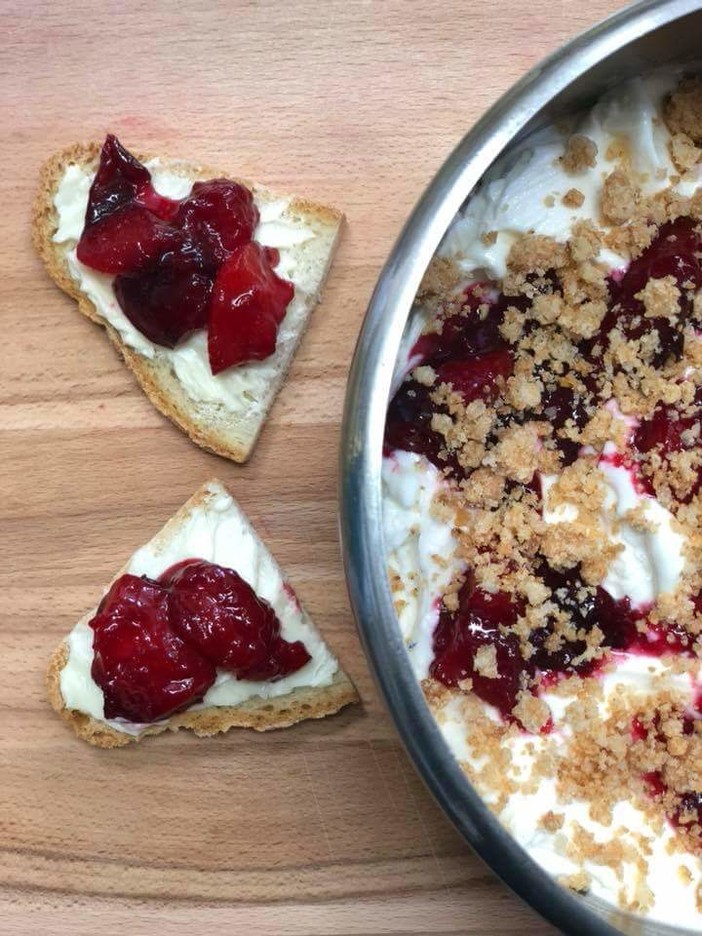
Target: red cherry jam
<point>181,266</point>
<point>158,644</point>
<point>144,668</point>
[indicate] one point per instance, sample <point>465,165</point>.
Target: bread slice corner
<point>210,425</point>
<point>261,714</point>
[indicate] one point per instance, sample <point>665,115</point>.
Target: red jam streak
<point>471,353</point>
<point>180,266</point>
<point>157,644</point>
<point>490,620</point>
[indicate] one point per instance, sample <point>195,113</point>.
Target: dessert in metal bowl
<point>542,478</point>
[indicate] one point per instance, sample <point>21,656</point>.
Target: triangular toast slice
<point>222,413</point>
<point>210,526</point>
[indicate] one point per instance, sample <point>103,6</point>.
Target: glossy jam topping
<point>180,266</point>
<point>157,644</point>
<point>144,668</point>
<point>247,306</point>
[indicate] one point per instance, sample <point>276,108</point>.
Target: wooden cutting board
<point>324,828</point>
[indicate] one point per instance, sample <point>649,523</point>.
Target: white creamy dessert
<point>529,192</point>
<point>217,532</point>
<point>243,389</point>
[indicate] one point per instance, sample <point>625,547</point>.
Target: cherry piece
<point>128,240</point>
<point>248,304</point>
<point>477,377</point>
<point>219,614</point>
<point>480,621</point>
<point>145,670</point>
<point>284,658</point>
<point>664,429</point>
<point>165,305</point>
<point>219,216</point>
<point>409,427</point>
<point>119,179</point>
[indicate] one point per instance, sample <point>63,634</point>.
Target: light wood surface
<point>324,828</point>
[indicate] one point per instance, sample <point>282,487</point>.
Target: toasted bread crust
<point>258,713</point>
<point>156,379</point>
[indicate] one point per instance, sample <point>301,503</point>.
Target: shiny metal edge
<point>361,458</point>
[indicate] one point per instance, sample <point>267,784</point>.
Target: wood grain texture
<point>324,828</point>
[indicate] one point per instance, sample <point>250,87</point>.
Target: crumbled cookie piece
<point>683,109</point>
<point>573,198</point>
<point>532,712</point>
<point>485,662</point>
<point>619,197</point>
<point>578,882</point>
<point>535,253</point>
<point>661,298</point>
<point>683,152</point>
<point>424,375</point>
<point>580,154</point>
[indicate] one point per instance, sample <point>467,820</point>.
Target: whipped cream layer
<point>244,389</point>
<point>218,532</point>
<point>422,550</point>
<point>523,193</point>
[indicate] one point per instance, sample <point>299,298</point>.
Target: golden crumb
<point>573,198</point>
<point>547,308</point>
<point>619,197</point>
<point>578,882</point>
<point>443,276</point>
<point>580,154</point>
<point>552,821</point>
<point>661,298</point>
<point>536,253</point>
<point>485,661</point>
<point>683,109</point>
<point>424,375</point>
<point>513,324</point>
<point>683,151</point>
<point>516,453</point>
<point>532,712</point>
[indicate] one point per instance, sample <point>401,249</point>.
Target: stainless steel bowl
<point>641,37</point>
